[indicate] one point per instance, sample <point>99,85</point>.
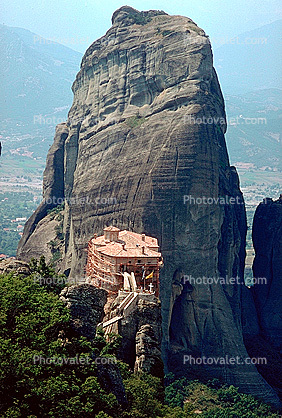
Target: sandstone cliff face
<point>148,353</point>
<point>131,141</point>
<point>39,230</point>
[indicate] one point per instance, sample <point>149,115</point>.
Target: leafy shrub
<point>140,19</point>
<point>166,32</point>
<point>135,121</point>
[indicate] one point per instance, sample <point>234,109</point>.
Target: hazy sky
<point>79,23</point>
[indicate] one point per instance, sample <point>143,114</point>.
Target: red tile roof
<point>129,245</point>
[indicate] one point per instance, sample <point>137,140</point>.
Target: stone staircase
<point>125,308</point>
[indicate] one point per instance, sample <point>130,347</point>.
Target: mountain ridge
<point>250,61</point>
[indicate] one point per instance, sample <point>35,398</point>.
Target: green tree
<point>45,275</point>
<point>35,325</point>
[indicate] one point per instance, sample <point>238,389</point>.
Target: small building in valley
<point>124,261</point>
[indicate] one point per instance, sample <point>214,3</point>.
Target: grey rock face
<point>16,266</point>
<point>142,337</point>
<point>261,304</point>
<point>250,322</point>
<point>267,239</point>
<point>86,304</point>
<point>137,137</point>
<point>148,353</point>
<point>141,334</point>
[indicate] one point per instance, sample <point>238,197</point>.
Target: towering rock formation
<point>267,239</point>
<point>261,303</point>
<point>142,148</point>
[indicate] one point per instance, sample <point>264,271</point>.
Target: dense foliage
<point>34,322</point>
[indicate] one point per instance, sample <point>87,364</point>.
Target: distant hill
<point>252,62</point>
<point>249,71</point>
<point>36,78</point>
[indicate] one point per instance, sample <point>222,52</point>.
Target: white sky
<point>88,20</point>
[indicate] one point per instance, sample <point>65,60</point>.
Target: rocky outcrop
<point>86,304</point>
<point>148,352</point>
<point>140,329</point>
<point>267,239</point>
<point>37,234</point>
<point>145,134</point>
<point>261,304</point>
<point>11,265</point>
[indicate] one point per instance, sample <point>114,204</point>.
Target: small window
<point>139,261</point>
